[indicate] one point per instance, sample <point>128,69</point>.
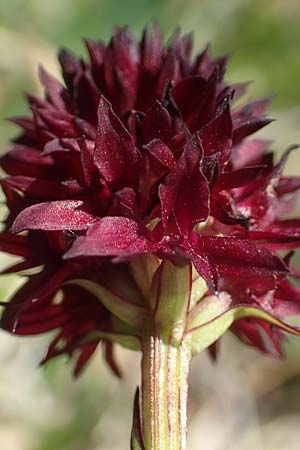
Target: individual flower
<point>134,191</point>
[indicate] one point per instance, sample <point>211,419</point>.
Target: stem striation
<point>164,393</point>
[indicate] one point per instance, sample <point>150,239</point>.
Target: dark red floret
<point>142,150</point>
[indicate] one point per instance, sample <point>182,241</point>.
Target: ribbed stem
<point>164,393</point>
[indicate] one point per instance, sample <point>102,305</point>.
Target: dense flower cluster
<point>143,151</point>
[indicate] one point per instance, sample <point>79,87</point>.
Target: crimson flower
<point>141,153</point>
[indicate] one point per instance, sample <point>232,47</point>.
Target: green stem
<point>164,392</point>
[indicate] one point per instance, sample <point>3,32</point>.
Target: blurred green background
<point>246,401</point>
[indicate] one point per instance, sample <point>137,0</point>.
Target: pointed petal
<point>115,153</point>
<point>216,136</point>
<point>56,92</point>
<point>196,99</point>
<point>161,153</point>
<point>184,195</point>
<point>58,215</point>
<point>15,245</point>
<point>86,161</point>
<point>237,257</point>
<point>110,237</point>
<point>157,124</point>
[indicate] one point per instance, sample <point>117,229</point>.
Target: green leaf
<point>208,309</point>
<point>127,341</point>
<point>122,284</point>
<point>199,289</point>
<point>202,336</point>
<point>170,292</point>
<point>123,308</point>
<point>120,327</point>
<point>136,442</point>
<point>143,268</point>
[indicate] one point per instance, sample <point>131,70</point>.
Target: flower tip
<point>16,227</point>
<point>42,73</point>
<point>292,147</point>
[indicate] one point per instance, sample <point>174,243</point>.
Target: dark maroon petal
<point>110,237</point>
<point>151,52</point>
<point>249,153</point>
<point>59,215</point>
<point>121,69</point>
<point>287,227</point>
<point>22,266</point>
<point>262,208</point>
<point>115,153</point>
<point>110,358</point>
<point>210,167</point>
<point>15,201</point>
<point>42,189</point>
<point>141,246</point>
<point>54,123</point>
<point>214,351</point>
<point>250,331</point>
<point>37,102</point>
<point>288,185</point>
<point>161,153</point>
<point>81,313</point>
<point>184,195</point>
<point>24,160</point>
<point>181,45</point>
<point>237,178</point>
<point>287,300</point>
<point>16,245</point>
<point>96,51</point>
<point>249,118</point>
<point>55,91</point>
<point>284,238</point>
<point>86,161</point>
<point>207,270</point>
<point>249,111</point>
<point>195,98</point>
<point>237,257</point>
<point>61,145</point>
<point>85,355</point>
<point>169,74</point>
<point>29,155</point>
<point>27,124</point>
<point>281,234</point>
<point>157,124</point>
<point>40,319</point>
<point>70,67</point>
<point>216,136</point>
<point>239,90</point>
<point>236,260</point>
<point>151,49</point>
<point>221,65</point>
<point>224,208</point>
<point>84,128</point>
<point>248,128</point>
<point>124,203</point>
<point>203,63</point>
<point>86,95</point>
<point>31,296</point>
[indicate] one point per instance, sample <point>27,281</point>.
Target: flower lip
<point>57,215</point>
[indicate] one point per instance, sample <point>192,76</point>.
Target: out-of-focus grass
<point>266,35</point>
<point>244,402</point>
